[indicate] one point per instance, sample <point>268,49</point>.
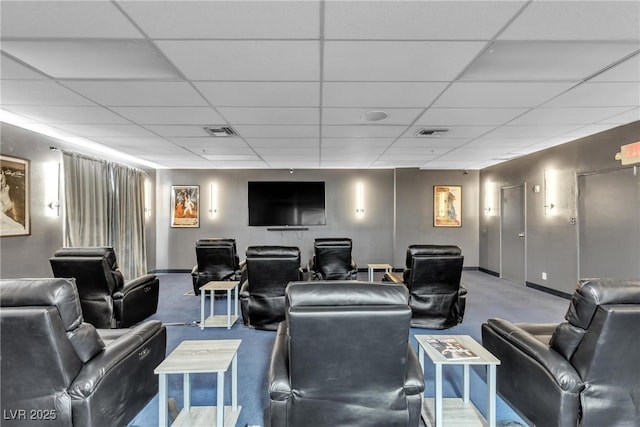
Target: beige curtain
<point>104,206</point>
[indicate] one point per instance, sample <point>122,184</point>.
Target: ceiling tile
<point>260,60</point>
<point>542,60</point>
<point>92,59</point>
<point>177,130</point>
<point>499,94</point>
<point>287,151</point>
<point>356,142</point>
<point>170,150</point>
<point>138,94</point>
<point>38,92</point>
<point>232,157</point>
<point>396,60</point>
<point>91,131</point>
<point>261,94</point>
<point>226,19</point>
<point>353,116</point>
<point>469,116</point>
<point>277,131</point>
<point>605,94</point>
<point>529,131</point>
<point>66,114</point>
<point>626,117</point>
<point>576,20</point>
<point>209,142</point>
<point>562,116</point>
<point>429,143</point>
<point>267,116</point>
<point>626,71</point>
<point>65,19</point>
<point>170,115</point>
<point>502,142</point>
<point>380,94</point>
<point>10,69</point>
<point>424,20</point>
<point>363,131</point>
<point>283,142</point>
<point>453,132</point>
<point>150,142</point>
<point>423,152</point>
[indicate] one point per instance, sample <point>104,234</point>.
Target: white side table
<point>196,357</point>
<point>371,267</point>
<point>217,321</point>
<point>459,412</point>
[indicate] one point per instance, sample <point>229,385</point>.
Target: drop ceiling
<point>294,78</point>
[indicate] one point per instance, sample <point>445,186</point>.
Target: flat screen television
<point>286,203</point>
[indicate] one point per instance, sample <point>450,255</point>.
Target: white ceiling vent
<point>220,131</point>
<point>431,133</point>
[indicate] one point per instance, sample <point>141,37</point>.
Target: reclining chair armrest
<point>279,386</point>
<point>552,362</point>
<point>414,381</point>
<point>244,289</point>
<point>138,282</point>
<point>462,292</point>
<point>194,271</point>
<point>90,377</point>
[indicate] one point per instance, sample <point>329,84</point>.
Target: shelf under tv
<point>287,228</point>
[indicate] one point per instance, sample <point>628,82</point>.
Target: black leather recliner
<point>332,259</point>
<point>107,301</point>
<point>217,260</point>
<point>343,358</point>
<point>582,372</point>
<point>265,275</point>
<point>60,371</point>
<point>433,275</point>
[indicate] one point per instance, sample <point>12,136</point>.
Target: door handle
<point>521,235</point>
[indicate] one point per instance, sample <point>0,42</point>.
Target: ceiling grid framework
<point>294,79</point>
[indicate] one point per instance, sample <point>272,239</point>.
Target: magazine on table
<point>451,348</point>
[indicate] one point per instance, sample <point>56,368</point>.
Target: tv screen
<point>286,203</point>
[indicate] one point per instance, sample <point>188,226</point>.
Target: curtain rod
<point>54,148</point>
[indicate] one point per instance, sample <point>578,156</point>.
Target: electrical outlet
<point>544,276</point>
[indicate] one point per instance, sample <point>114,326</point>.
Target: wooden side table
<point>218,321</point>
<point>196,357</point>
<point>460,412</point>
<point>371,267</point>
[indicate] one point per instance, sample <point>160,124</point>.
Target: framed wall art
<point>14,197</point>
<point>447,206</point>
<point>185,206</point>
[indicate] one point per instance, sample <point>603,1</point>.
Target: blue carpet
<point>487,297</point>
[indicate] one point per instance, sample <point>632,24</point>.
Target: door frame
<point>524,219</point>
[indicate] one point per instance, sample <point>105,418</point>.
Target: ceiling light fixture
<point>374,116</point>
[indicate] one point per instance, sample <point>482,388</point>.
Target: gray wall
<point>28,256</point>
<point>372,234</point>
<point>414,212</point>
<point>551,241</point>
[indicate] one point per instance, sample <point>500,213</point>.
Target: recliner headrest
<point>106,252</point>
<point>61,293</point>
<point>431,250</point>
<point>591,293</point>
<point>272,252</point>
<point>216,242</point>
<point>345,293</point>
<point>330,241</point>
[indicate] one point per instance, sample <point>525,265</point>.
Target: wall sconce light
<point>213,207</point>
<point>550,191</point>
<point>147,198</point>
<point>360,199</point>
<point>52,189</point>
<point>491,199</point>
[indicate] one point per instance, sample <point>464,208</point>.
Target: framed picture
<point>185,206</point>
<point>447,206</point>
<point>14,196</point>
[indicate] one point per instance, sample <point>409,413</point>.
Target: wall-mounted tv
<point>286,203</point>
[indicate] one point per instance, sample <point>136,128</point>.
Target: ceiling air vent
<point>220,131</point>
<point>433,133</point>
